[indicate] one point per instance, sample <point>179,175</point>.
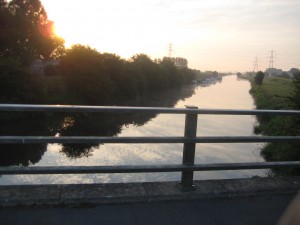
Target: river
<point>230,93</point>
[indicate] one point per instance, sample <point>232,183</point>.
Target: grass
<point>278,87</point>
<point>277,93</point>
<point>274,93</point>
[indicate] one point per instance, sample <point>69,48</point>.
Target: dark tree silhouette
<point>26,33</point>
<point>258,79</point>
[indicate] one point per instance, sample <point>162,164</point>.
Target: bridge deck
<point>259,210</point>
<point>241,201</point>
<point>95,194</point>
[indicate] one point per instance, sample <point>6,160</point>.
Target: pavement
<point>241,201</point>
<point>257,210</point>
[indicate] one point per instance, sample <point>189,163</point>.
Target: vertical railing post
<point>190,131</point>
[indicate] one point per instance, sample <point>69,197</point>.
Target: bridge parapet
<point>190,139</point>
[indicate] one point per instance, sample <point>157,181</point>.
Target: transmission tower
<point>271,63</point>
<point>255,64</point>
<point>171,50</point>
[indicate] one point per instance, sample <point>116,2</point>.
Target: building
<point>181,62</point>
<point>273,72</point>
<point>178,61</point>
<point>39,66</point>
<point>278,72</point>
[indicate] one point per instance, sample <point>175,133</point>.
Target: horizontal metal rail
<point>143,140</point>
<point>144,168</point>
<point>118,109</point>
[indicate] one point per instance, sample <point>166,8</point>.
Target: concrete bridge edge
<point>80,195</point>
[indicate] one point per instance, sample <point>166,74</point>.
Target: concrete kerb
<point>78,195</point>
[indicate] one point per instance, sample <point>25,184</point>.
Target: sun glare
<point>201,31</point>
<point>125,30</point>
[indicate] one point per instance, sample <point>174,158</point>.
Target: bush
<point>258,79</point>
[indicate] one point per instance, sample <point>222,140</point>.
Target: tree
<point>85,76</point>
<point>26,33</point>
<point>296,96</point>
<point>172,73</point>
<point>258,79</point>
<point>148,73</point>
<point>16,85</point>
<point>121,74</point>
<point>5,27</point>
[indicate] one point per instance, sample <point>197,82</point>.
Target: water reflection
<point>230,94</point>
<point>21,155</point>
<point>49,124</point>
<point>23,124</point>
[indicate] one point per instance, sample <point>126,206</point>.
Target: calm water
<point>231,93</point>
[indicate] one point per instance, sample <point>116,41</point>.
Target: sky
<point>221,35</point>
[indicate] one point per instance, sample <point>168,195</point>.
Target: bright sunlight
<point>223,35</point>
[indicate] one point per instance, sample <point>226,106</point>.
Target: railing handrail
<point>189,140</point>
<point>127,109</point>
<point>143,140</point>
<point>145,168</point>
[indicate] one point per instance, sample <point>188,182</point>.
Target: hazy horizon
<point>222,35</point>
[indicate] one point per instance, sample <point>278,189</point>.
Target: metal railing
<point>189,140</point>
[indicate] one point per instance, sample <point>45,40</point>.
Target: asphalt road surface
<point>244,211</point>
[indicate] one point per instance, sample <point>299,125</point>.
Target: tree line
<point>103,78</point>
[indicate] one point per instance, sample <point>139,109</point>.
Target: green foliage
<point>258,79</point>
<point>113,71</point>
<point>275,93</point>
<point>172,73</point>
<point>54,90</point>
<point>296,96</point>
<point>26,33</point>
<point>108,79</point>
<point>85,77</point>
<point>278,93</point>
<point>17,86</point>
<point>52,70</point>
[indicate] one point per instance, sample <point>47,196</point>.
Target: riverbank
<point>277,94</point>
<point>274,93</point>
<point>99,79</point>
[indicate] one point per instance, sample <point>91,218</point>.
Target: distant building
<point>294,71</point>
<point>39,66</point>
<point>178,61</point>
<point>273,72</point>
<point>181,62</point>
<point>278,72</point>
